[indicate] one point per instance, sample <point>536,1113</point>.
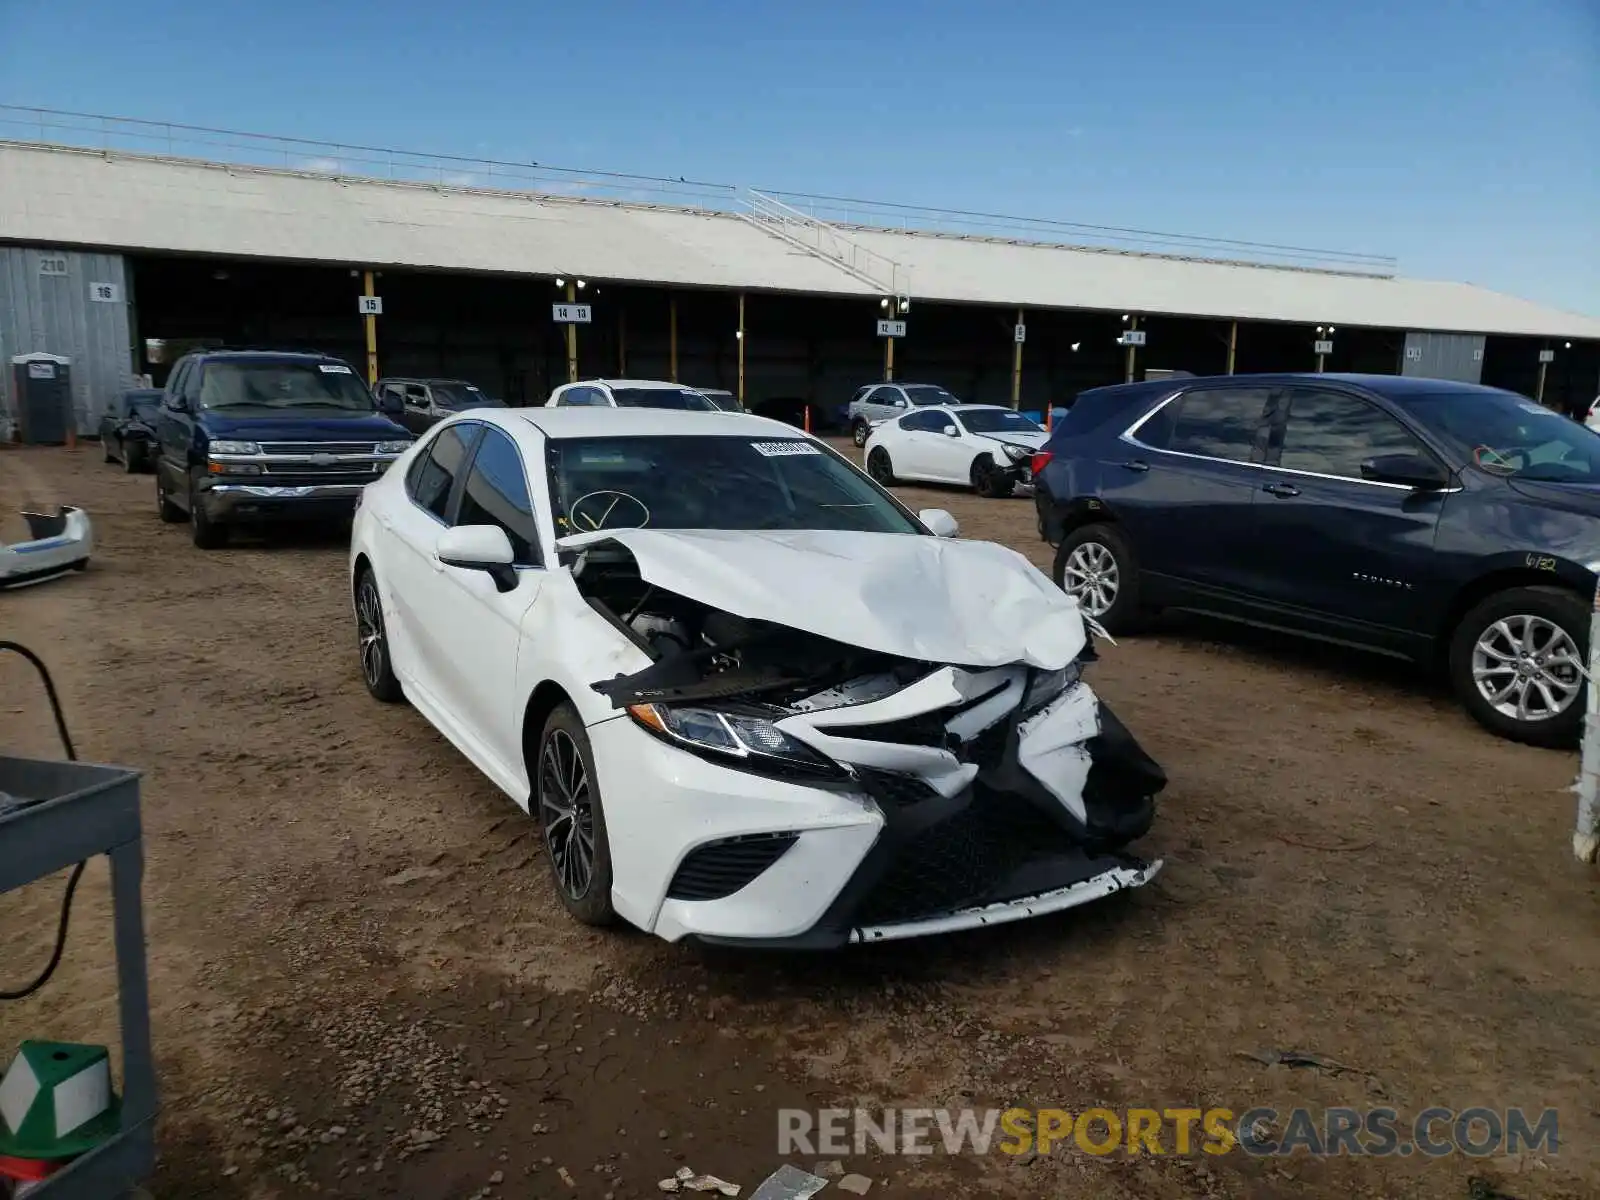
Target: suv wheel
<point>1095,565</point>
<point>1517,662</point>
<point>571,819</point>
<point>859,432</point>
<point>206,533</point>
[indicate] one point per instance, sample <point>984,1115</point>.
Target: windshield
<point>1506,434</point>
<point>278,384</point>
<point>723,400</point>
<point>662,398</point>
<point>705,482</point>
<point>998,420</point>
<point>463,395</point>
<point>922,393</point>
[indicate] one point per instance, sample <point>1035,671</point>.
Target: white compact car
<point>982,446</point>
<point>629,393</point>
<point>57,543</point>
<point>749,697</point>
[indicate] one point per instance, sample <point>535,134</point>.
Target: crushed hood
<point>973,604</point>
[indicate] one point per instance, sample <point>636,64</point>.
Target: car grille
<point>351,471</point>
<point>319,447</point>
<point>893,789</point>
<point>956,863</point>
<point>719,869</point>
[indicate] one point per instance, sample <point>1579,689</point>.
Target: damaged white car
<point>748,696</point>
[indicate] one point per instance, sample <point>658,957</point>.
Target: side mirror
<point>479,548</point>
<point>939,522</point>
<point>951,431</point>
<point>1410,470</point>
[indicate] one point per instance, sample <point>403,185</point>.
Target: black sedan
<point>127,429</point>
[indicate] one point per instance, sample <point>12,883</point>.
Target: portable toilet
<point>42,398</point>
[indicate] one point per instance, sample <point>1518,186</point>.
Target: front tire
<point>205,533</point>
<point>372,641</point>
<point>1095,565</point>
<point>132,457</point>
<point>572,822</point>
<point>1517,661</point>
<point>859,432</point>
<point>880,468</point>
<point>989,480</point>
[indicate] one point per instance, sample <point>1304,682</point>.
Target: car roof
<point>1398,388</point>
<point>588,422</point>
<point>642,384</point>
<point>304,355</point>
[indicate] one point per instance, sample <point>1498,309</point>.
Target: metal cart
<point>71,811</point>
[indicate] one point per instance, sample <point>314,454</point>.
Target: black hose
<point>77,871</point>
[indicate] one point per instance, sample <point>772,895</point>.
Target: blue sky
<point>1462,136</point>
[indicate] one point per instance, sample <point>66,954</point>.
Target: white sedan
<point>983,446</point>
<point>747,695</point>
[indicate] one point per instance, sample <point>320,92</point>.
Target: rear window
<point>1093,409</point>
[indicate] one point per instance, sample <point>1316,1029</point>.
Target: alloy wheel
<point>566,812</point>
<point>1091,576</point>
<point>369,629</point>
<point>1527,668</point>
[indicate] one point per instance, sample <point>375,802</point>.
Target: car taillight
<point>1040,461</point>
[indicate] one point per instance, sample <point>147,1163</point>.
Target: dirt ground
<point>363,984</point>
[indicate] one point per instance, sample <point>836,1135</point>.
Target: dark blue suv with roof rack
<point>252,436</point>
<point>1446,523</point>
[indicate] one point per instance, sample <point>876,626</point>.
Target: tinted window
<point>281,384</point>
<point>921,394</point>
<point>661,398</point>
<point>1332,434</point>
<point>1507,434</point>
<point>708,482</point>
<point>884,395</point>
<point>579,397</point>
<point>926,422</point>
<point>432,479</point>
<point>497,494</point>
<point>998,420</point>
<point>1216,423</point>
<point>461,395</point>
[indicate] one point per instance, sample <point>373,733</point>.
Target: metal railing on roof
<point>801,212</point>
<point>819,237</point>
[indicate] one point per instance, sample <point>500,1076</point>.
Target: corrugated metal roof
<point>131,202</point>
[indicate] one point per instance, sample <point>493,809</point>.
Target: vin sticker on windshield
<point>780,449</point>
<point>334,369</point>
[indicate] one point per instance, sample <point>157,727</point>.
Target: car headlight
<point>227,447</point>
<point>732,738</point>
<point>1045,686</point>
<point>399,446</point>
<point>1017,453</point>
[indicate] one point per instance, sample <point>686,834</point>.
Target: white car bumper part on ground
<point>57,543</point>
<point>907,797</point>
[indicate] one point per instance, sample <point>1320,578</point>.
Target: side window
<point>883,395</point>
<point>497,494</point>
<point>925,422</point>
<point>1212,423</point>
<point>416,396</point>
<point>1331,433</point>
<point>433,478</point>
<point>175,383</point>
<point>576,397</point>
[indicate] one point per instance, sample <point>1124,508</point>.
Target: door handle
<point>1281,490</point>
<point>1135,464</point>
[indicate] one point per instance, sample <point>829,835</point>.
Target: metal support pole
<point>1538,392</point>
<point>622,341</point>
<point>1321,359</point>
<point>1133,327</point>
<point>371,323</point>
<point>1586,837</point>
<point>672,338</point>
<point>888,344</point>
<point>1016,367</point>
<point>572,336</point>
<point>1233,344</point>
<point>741,349</point>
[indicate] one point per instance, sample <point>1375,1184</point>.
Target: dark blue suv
<point>1446,523</point>
<point>252,436</point>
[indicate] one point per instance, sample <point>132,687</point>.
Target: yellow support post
<point>888,343</point>
<point>1133,327</point>
<point>572,336</point>
<point>1233,344</point>
<point>1016,366</point>
<point>372,334</point>
<point>672,338</point>
<point>741,349</point>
